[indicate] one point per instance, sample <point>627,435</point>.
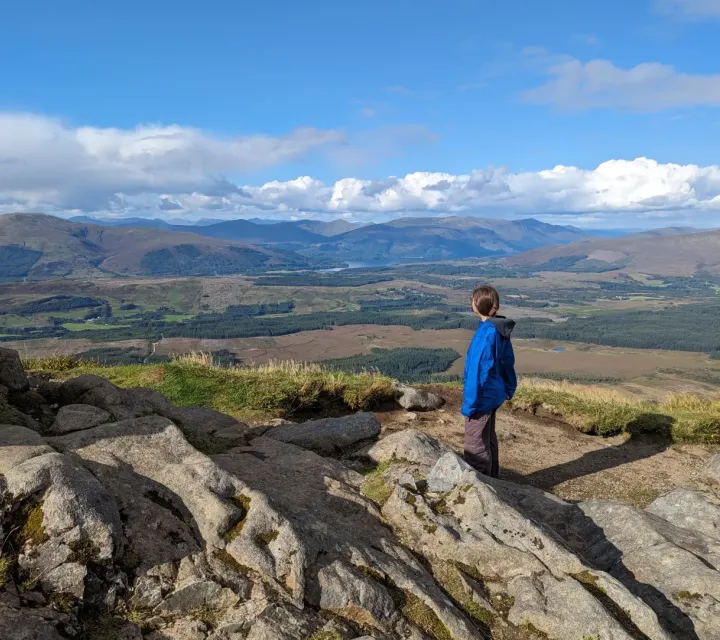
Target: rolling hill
<point>38,247</point>
<point>670,251</point>
<point>288,234</point>
<point>441,239</point>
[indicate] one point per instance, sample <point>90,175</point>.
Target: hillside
<point>442,239</point>
<point>669,252</point>
<point>250,231</point>
<point>286,233</point>
<point>328,229</point>
<point>39,247</point>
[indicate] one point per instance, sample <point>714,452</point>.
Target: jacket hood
<point>503,325</point>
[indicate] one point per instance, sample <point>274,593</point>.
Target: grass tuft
<point>6,567</point>
<point>33,531</point>
<point>54,363</point>
<point>326,635</point>
<point>374,487</point>
<point>423,617</point>
<point>448,575</point>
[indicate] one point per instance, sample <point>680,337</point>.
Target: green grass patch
<point>178,317</point>
<point>275,390</point>
<point>602,411</point>
<point>92,326</point>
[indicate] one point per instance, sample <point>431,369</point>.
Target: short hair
<point>484,299</point>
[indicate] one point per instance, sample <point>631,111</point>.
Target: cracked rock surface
<point>116,523</point>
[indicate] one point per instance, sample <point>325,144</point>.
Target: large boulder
<point>208,429</point>
<point>155,449</point>
<point>66,519</point>
<point>78,417</point>
<point>328,436</point>
<point>91,389</point>
<point>414,399</point>
<point>12,374</point>
<point>408,445</point>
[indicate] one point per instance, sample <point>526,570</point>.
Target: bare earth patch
<point>559,459</point>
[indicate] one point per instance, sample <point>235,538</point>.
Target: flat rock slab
<point>78,417</point>
<point>328,436</point>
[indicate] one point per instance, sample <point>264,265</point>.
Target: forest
<point>411,365</point>
<point>57,303</point>
<point>690,327</point>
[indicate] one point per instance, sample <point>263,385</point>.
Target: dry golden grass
<point>604,411</point>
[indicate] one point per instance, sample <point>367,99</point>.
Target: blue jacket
<point>489,368</point>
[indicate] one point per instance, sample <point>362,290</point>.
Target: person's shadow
<point>639,446</point>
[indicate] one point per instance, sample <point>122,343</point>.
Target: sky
<point>596,113</point>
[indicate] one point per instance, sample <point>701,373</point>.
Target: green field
<point>91,326</point>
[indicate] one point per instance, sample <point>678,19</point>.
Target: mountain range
<point>38,247</point>
<point>403,239</point>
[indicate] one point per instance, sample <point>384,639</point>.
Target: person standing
<point>488,382</point>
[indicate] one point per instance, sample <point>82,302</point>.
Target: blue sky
<point>391,108</point>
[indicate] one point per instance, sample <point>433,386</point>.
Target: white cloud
<point>46,163</point>
<point>599,84</point>
<point>616,186</point>
<point>689,9</point>
<point>616,193</point>
<point>175,171</point>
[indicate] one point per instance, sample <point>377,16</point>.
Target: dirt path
<point>572,465</point>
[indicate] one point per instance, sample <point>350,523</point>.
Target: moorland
<point>595,311</point>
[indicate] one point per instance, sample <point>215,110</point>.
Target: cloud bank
<point>177,171</point>
<point>45,163</point>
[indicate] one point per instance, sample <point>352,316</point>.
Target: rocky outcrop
<point>76,417</point>
<point>128,517</point>
<point>408,445</point>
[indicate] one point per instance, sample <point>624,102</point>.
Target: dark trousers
<point>481,444</point>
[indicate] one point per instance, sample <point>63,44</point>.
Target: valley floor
<point>559,459</point>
